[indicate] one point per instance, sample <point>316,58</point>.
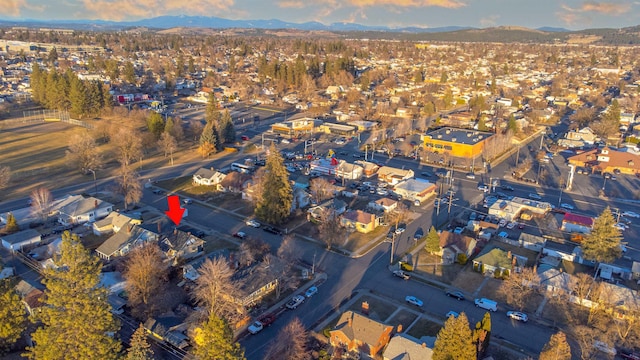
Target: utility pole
<point>313,266</point>
<point>393,240</point>
<point>450,199</point>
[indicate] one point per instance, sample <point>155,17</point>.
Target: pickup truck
<point>401,274</point>
<point>295,302</point>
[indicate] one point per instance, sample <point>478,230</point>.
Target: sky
<point>569,14</point>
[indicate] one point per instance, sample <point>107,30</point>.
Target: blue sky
<point>570,14</point>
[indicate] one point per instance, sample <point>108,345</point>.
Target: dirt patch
<point>424,327</point>
<point>358,239</point>
<point>213,244</point>
<point>404,318</point>
<point>430,266</point>
<point>378,309</point>
<point>468,281</point>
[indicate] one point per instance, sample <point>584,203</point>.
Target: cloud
<point>132,9</point>
<point>15,7</point>
<point>296,4</point>
<point>607,8</point>
<point>489,21</point>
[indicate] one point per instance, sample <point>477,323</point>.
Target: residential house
<point>169,328</point>
<point>606,160</point>
<point>621,267</point>
<point>583,136</point>
<point>564,251</point>
<point>369,168</point>
<point>360,333</point>
<point>415,189</point>
<point>530,241</point>
<point>335,205</point>
<point>21,239</point>
<point>574,223</point>
<point>76,209</point>
<point>393,176</point>
<point>257,281</point>
<point>191,272</point>
<point>405,347</point>
<point>452,245</point>
<point>113,223</point>
<point>180,245</point>
<point>359,220</point>
<point>383,204</point>
<point>496,261</point>
<point>31,297</point>
<point>208,177</point>
<point>125,240</point>
<point>554,281</point>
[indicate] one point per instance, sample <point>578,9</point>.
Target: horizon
<point>569,15</point>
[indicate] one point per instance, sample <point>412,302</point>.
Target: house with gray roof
<point>21,239</point>
<point>405,347</point>
<point>125,240</point>
<point>76,209</point>
<point>208,177</point>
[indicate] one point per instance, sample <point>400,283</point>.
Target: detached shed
<point>21,239</point>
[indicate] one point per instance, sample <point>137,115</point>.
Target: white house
<point>21,239</point>
<point>415,189</point>
<point>208,177</point>
<point>76,209</point>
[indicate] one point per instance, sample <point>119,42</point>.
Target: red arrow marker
<point>175,211</point>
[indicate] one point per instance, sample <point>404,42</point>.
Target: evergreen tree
<point>53,56</point>
<point>557,348</point>
<point>208,140</point>
<point>129,73</point>
<point>155,124</point>
<point>482,334</point>
<point>12,224</point>
<point>433,241</point>
<point>140,348</point>
<point>455,341</point>
<point>227,130</point>
<point>275,204</point>
<point>212,112</point>
<point>482,126</point>
<point>12,316</point>
<point>76,319</point>
<point>78,97</point>
<point>214,340</point>
<point>511,125</point>
<point>603,243</point>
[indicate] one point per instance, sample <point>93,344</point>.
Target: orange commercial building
<point>462,143</point>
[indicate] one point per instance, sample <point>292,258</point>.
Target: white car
<point>187,201</point>
<point>603,347</point>
<point>535,196</point>
<point>253,223</point>
<point>295,302</point>
<point>502,223</point>
<point>621,226</point>
<point>511,225</point>
<point>285,141</point>
<point>256,327</point>
<point>630,214</point>
<point>311,291</point>
<point>566,206</point>
<point>517,315</point>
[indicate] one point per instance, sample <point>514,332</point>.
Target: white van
<point>486,304</point>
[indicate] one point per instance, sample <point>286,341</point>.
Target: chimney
<point>175,231</point>
<point>424,345</point>
<point>129,227</point>
<point>95,203</point>
<point>399,328</point>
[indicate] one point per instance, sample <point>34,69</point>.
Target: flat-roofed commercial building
<point>463,143</point>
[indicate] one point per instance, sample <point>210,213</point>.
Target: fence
<point>32,116</point>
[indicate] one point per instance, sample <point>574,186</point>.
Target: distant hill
<point>503,34</point>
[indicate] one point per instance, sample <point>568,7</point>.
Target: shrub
<point>462,259</point>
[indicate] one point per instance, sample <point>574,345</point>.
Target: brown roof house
<point>359,220</point>
<point>32,297</point>
<point>607,160</point>
<point>360,333</point>
<point>453,244</point>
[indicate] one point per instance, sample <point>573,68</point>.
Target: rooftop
<point>463,136</point>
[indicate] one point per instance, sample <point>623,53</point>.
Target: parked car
<point>187,201</point>
<point>452,313</point>
<point>426,174</point>
<point>295,302</point>
<point>566,206</point>
<point>511,225</point>
<point>603,347</point>
<point>311,291</point>
<point>535,196</point>
<point>400,229</point>
<point>631,214</point>
<point>240,235</point>
<point>455,294</point>
<point>507,187</point>
<point>255,328</point>
<point>273,230</point>
<point>517,315</point>
<point>486,304</point>
<point>418,235</point>
<point>503,234</point>
<point>502,223</point>
<point>484,188</point>
<point>401,274</point>
<point>413,300</point>
<point>470,176</point>
<point>630,355</point>
<point>253,223</point>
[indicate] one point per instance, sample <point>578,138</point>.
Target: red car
<point>267,320</point>
<point>244,138</point>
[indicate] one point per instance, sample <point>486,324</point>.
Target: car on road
<point>272,230</point>
<point>621,226</point>
<point>470,176</point>
<point>603,347</point>
<point>418,235</point>
<point>187,201</point>
<point>455,294</point>
<point>311,291</point>
<point>400,229</point>
<point>382,192</point>
<point>413,300</point>
<point>255,328</point>
<point>566,206</point>
<point>535,196</point>
<point>631,214</point>
<point>253,223</point>
<point>517,315</point>
<point>507,187</point>
<point>521,226</point>
<point>295,302</point>
<point>401,274</point>
<point>426,174</point>
<point>452,313</point>
<point>240,235</point>
<point>484,188</point>
<point>158,192</point>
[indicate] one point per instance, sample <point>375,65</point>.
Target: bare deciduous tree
<point>128,146</point>
<point>129,185</point>
<point>83,153</point>
<point>257,189</point>
<point>5,176</point>
<point>145,276</point>
<point>519,287</point>
<point>321,189</point>
<point>216,291</point>
<point>290,344</point>
<point>41,203</point>
<point>168,144</point>
<point>330,228</point>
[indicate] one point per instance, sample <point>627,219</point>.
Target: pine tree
<point>12,224</point>
<point>482,334</point>
<point>455,341</point>
<point>557,348</point>
<point>76,319</point>
<point>129,73</point>
<point>78,97</point>
<point>511,125</point>
<point>433,241</point>
<point>275,204</point>
<point>155,124</point>
<point>12,316</point>
<point>603,243</point>
<point>212,113</point>
<point>214,340</point>
<point>227,130</point>
<point>140,348</point>
<point>208,140</point>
